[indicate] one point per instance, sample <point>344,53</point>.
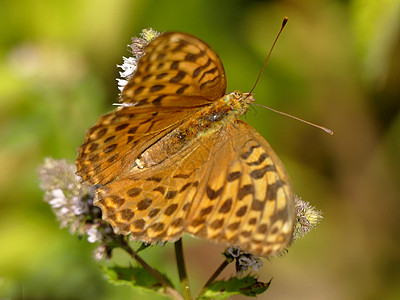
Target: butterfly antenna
<point>327,130</point>
<point>285,19</point>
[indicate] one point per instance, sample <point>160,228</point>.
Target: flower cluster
<point>307,217</point>
<point>243,260</point>
<point>72,203</point>
<point>137,49</point>
<point>68,198</point>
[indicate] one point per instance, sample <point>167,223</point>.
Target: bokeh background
<point>336,64</point>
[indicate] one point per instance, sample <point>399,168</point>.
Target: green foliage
<point>136,277</point>
<point>247,286</point>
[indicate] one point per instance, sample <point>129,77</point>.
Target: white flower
<point>58,193</point>
<point>64,210</point>
<point>307,218</point>
<point>79,207</point>
<point>130,63</point>
<point>128,67</point>
<point>243,259</point>
<point>93,235</point>
<point>250,261</point>
<point>234,251</point>
<point>121,83</point>
<point>59,199</point>
<point>100,252</point>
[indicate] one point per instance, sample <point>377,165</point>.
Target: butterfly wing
<point>230,187</point>
<point>177,74</point>
<point>178,70</point>
<point>245,197</point>
<point>113,144</point>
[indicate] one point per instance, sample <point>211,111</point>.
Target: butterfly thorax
<point>207,120</point>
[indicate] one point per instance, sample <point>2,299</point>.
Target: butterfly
<point>175,158</point>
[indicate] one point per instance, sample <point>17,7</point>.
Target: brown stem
<point>180,261</point>
<point>214,276</point>
<point>168,287</point>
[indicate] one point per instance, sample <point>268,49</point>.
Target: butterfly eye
<point>237,94</point>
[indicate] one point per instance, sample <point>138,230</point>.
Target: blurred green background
<point>336,64</point>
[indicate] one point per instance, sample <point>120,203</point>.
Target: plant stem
<point>214,276</point>
<point>168,287</point>
<point>180,261</point>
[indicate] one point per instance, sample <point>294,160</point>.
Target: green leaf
<point>137,277</point>
<point>142,247</point>
<point>248,286</point>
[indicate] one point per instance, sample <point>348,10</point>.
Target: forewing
<point>177,70</point>
<point>118,138</point>
<point>245,197</point>
<point>177,74</point>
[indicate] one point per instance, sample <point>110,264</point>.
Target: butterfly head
<point>241,101</point>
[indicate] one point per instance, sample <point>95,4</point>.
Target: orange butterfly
<point>175,157</point>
